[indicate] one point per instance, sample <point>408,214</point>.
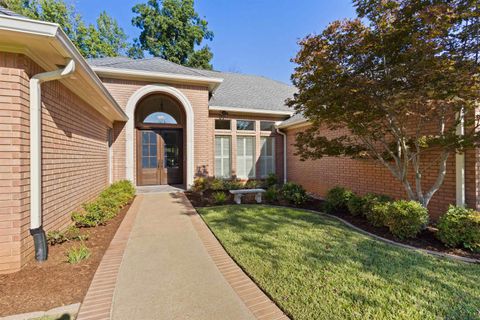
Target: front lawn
<point>315,267</point>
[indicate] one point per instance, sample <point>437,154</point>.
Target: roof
<point>297,118</point>
<point>6,12</point>
<point>239,91</point>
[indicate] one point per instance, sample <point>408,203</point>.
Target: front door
<point>160,157</point>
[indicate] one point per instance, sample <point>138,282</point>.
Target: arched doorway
<point>159,126</point>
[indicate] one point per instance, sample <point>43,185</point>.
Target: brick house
<point>70,127</point>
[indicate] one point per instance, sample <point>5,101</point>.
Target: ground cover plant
<point>316,267</point>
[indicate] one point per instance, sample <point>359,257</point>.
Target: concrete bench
<point>238,194</point>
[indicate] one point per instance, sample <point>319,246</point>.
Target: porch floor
<point>160,189</point>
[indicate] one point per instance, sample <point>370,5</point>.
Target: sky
<point>251,36</point>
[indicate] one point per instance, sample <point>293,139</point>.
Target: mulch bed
<point>425,240</point>
<point>54,283</point>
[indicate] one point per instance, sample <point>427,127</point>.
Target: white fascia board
<point>212,83</point>
<point>254,111</point>
<point>55,33</point>
<point>298,122</point>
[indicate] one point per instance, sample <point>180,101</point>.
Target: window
<point>149,150</point>
<point>267,156</point>
<point>160,118</point>
<point>267,125</point>
<point>245,125</point>
<point>246,157</point>
<point>222,157</point>
<point>222,124</point>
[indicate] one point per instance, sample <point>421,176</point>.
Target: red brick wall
<point>363,176</point>
<point>75,157</point>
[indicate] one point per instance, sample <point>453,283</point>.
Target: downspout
<point>284,154</point>
<point>460,164</point>
<point>36,229</point>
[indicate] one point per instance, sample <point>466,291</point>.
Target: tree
<point>172,29</point>
<point>104,40</point>
<point>393,85</point>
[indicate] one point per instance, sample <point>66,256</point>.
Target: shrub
<point>217,184</point>
<point>77,254</point>
<point>74,234</point>
<point>294,193</point>
<point>271,180</point>
<point>253,184</point>
<point>377,213</point>
<point>84,220</point>
<point>200,184</point>
<point>356,205</point>
<point>219,197</point>
<point>406,219</point>
<point>460,227</point>
<point>337,199</point>
<point>271,194</point>
<point>233,184</point>
<point>56,237</point>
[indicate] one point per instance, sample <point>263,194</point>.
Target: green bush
<point>233,184</point>
<point>271,194</point>
<point>200,184</point>
<point>337,199</point>
<point>460,227</point>
<point>253,184</point>
<point>377,213</point>
<point>406,219</point>
<point>217,184</point>
<point>356,205</point>
<point>219,197</point>
<point>56,237</point>
<point>271,180</point>
<point>73,233</point>
<point>294,193</point>
<point>78,253</point>
<point>106,206</point>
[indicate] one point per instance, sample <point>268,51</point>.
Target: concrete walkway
<point>166,273</point>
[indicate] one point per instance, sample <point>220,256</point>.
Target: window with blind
<point>245,157</point>
<point>267,156</point>
<point>222,157</point>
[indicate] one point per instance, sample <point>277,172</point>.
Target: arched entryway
<point>159,137</point>
<point>159,124</point>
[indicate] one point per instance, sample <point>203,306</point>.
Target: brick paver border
<point>262,307</point>
<point>97,304</point>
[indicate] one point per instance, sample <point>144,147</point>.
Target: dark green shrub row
<point>404,219</point>
<point>460,227</point>
<point>106,206</point>
<point>202,184</point>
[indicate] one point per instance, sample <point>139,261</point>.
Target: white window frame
<point>244,158</point>
<point>265,159</point>
<point>222,157</point>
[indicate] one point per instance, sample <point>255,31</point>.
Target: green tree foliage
<point>106,39</point>
<point>393,84</point>
<point>172,30</point>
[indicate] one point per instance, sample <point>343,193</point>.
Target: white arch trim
<point>130,127</point>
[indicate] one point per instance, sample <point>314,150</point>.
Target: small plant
<point>253,184</point>
<point>219,197</point>
<point>460,227</point>
<point>84,220</point>
<point>356,205</point>
<point>337,199</point>
<point>78,253</point>
<point>56,237</point>
<point>271,194</point>
<point>406,219</point>
<point>272,180</point>
<point>200,184</point>
<point>217,184</point>
<point>74,234</point>
<point>294,193</point>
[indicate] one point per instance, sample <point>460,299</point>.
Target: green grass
<point>315,267</point>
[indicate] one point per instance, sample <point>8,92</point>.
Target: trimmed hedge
<point>337,199</point>
<point>460,227</point>
<point>406,219</point>
<point>294,193</point>
<point>356,205</point>
<point>106,206</point>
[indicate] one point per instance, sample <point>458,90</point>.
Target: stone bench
<point>238,194</point>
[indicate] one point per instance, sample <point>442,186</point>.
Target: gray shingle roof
<point>236,91</point>
<point>6,12</point>
<point>297,117</point>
